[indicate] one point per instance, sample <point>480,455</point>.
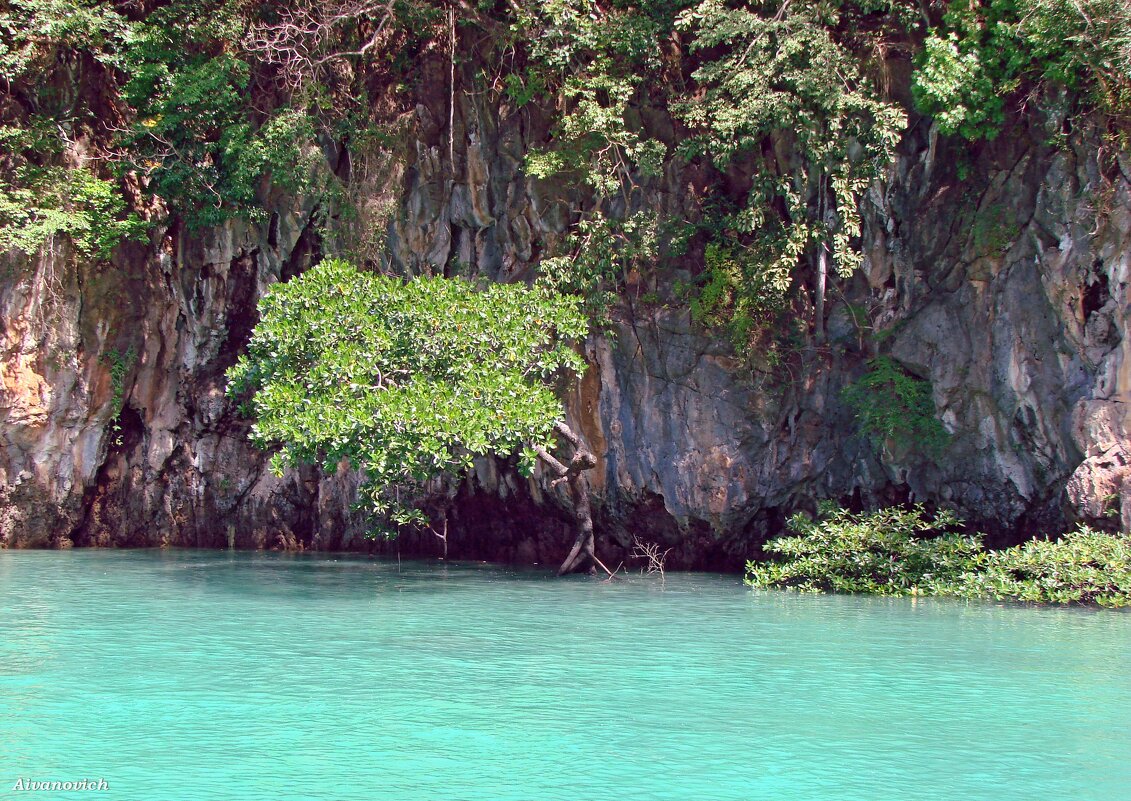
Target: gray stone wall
<point>1006,288</point>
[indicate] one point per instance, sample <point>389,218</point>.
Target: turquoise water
<point>179,675</point>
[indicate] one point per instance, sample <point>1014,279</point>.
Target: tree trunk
<point>443,537</point>
<point>582,556</point>
<point>822,280</point>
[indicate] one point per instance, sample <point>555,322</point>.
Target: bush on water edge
<point>905,552</point>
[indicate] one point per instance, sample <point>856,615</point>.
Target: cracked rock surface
<point>1008,290</point>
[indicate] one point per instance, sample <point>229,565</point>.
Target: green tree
<point>989,52</point>
<point>51,195</point>
<point>781,84</point>
<point>411,380</point>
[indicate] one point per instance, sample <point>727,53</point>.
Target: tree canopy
<point>407,380</point>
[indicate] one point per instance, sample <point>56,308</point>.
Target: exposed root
<point>581,556</point>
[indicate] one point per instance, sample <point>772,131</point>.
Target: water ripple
<point>210,675</point>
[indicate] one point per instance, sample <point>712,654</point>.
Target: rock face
<point>1007,289</point>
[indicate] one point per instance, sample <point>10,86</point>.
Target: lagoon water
<point>185,675</point>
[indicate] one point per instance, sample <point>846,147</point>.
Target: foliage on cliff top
<point>596,58</point>
<point>783,88</point>
<point>40,205</point>
<point>171,101</point>
<point>34,33</point>
<point>988,54</point>
<point>206,104</point>
<point>48,198</point>
<point>406,380</point>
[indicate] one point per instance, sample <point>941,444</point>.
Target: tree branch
<point>559,468</point>
<point>568,433</point>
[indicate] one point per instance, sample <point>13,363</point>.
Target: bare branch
<point>308,35</point>
<point>602,566</point>
<point>651,554</point>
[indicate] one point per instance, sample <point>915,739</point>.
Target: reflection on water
<point>217,675</point>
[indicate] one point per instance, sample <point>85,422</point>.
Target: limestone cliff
<point>1007,289</point>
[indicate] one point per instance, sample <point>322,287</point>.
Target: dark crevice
<point>105,520</point>
<point>242,315</point>
<point>1096,293</point>
<point>306,252</point>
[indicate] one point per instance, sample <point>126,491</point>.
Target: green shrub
<point>120,365</point>
<point>890,403</point>
<point>192,133</point>
<point>602,252</point>
<point>46,200</point>
<point>889,552</point>
<point>785,78</point>
<point>900,552</point>
<point>592,58</point>
<point>32,32</point>
<point>197,137</point>
<point>740,293</point>
<point>1085,566</point>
